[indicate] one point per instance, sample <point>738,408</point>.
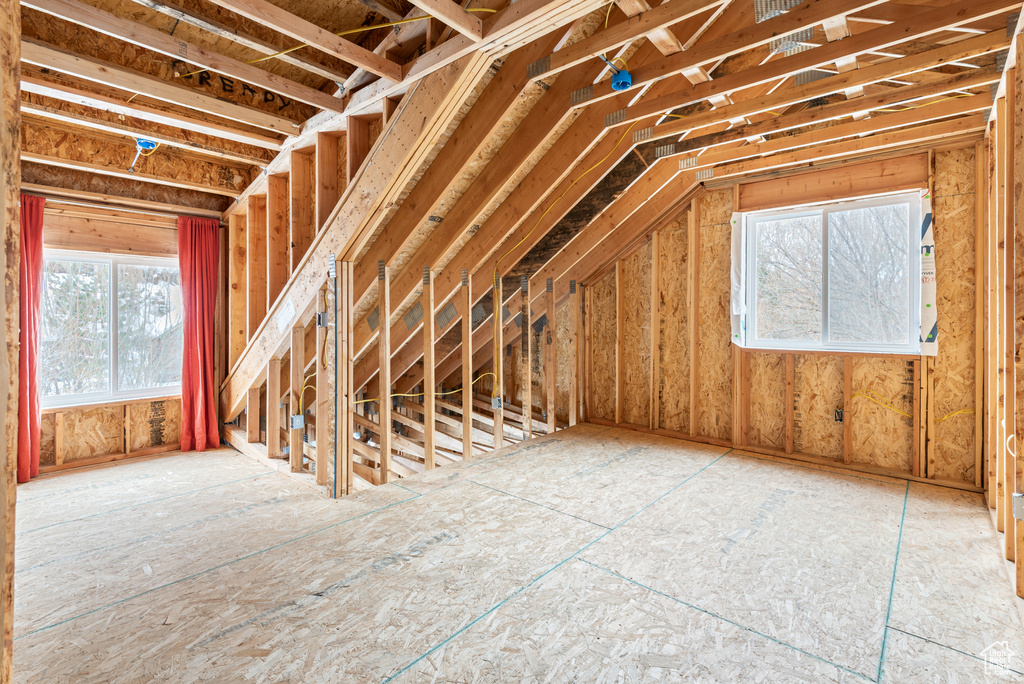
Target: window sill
<point>72,406</point>
<point>832,352</point>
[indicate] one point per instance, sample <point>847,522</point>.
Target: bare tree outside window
<point>149,327</point>
<point>74,344</point>
<point>789,278</point>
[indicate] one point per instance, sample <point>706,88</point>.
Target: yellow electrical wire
<point>146,154</point>
<point>878,399</point>
<point>361,29</point>
<point>420,394</point>
<point>323,348</point>
<point>954,413</point>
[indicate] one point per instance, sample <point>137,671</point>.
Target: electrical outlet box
<point>495,402</point>
<point>1018,506</point>
<point>298,422</point>
<point>839,415</point>
<point>321,319</point>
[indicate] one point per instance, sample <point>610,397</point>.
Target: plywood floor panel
<point>716,567</point>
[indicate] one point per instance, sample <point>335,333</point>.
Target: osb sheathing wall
<point>84,434</point>
<point>877,436</point>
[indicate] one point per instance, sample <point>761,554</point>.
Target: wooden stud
<point>384,374</point>
<point>790,400</point>
<point>847,408</point>
<point>588,354</point>
<point>1000,294</point>
<point>467,366</point>
<point>574,352</point>
<point>991,328</point>
<point>256,264</point>
<point>127,426</point>
<point>738,394</point>
<point>327,191</point>
<point>550,367</point>
<point>980,224</point>
<point>302,196</point>
<point>693,303</point>
<point>323,397</point>
<point>620,357</point>
<point>357,142</point>
<point>1017,145</point>
<point>499,368</point>
<point>274,408</point>
<point>915,448</point>
<point>1009,313</point>
<point>237,287</point>
<point>252,416</point>
<point>344,394</point>
<point>58,439</point>
<point>526,335</point>
<point>277,236</point>
<point>654,370</point>
<point>298,369</point>
<point>429,381</point>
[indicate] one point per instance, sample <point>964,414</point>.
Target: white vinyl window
<point>110,328</point>
<point>839,277</point>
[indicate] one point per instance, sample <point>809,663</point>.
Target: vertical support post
<point>526,337</point>
<point>1017,145</point>
<point>237,287</point>
<point>277,236</point>
<point>252,415</point>
<point>467,365</point>
<point>256,263</point>
<point>979,310</point>
<point>429,382</point>
<point>344,396</point>
<point>693,304</point>
<point>991,328</point>
<point>847,406</point>
<point>574,353</point>
<point>357,144</point>
<point>384,358</point>
<point>550,367</point>
<point>58,438</point>
<point>295,399</point>
<point>127,425</point>
<point>1010,313</point>
<point>498,363</point>
<point>654,372</point>
<point>915,446</point>
<point>588,353</point>
<point>620,358</point>
<point>790,401</point>
<point>390,107</point>
<point>301,191</point>
<point>274,408</point>
<point>928,443</point>
<point>737,395</point>
<point>323,398</point>
<point>327,192</point>
<point>1000,301</point>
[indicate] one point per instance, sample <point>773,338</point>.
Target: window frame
<point>824,209</point>
<point>112,395</point>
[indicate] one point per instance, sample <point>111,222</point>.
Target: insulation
<point>602,319</point>
<point>714,417</point>
<point>636,337</point>
<point>817,392</point>
<point>767,391</point>
<point>675,341</point>
<point>953,377</point>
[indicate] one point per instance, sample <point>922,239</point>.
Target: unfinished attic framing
<point>447,232</point>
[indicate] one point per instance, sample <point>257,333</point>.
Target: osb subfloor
<point>594,555</point>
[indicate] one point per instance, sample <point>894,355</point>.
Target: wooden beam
<point>135,33</point>
<point>274,408</point>
<point>277,235</point>
<point>429,382</point>
<point>256,264</point>
<point>323,398</point>
<point>327,191</point>
<point>467,367</point>
<point>498,361</point>
<point>650,22</point>
<point>1009,310</point>
<point>654,368</point>
<point>233,34</point>
<point>453,15</point>
<point>790,399</point>
<point>85,67</point>
<point>237,287</point>
<point>527,357</point>
<point>384,376</point>
<point>100,199</point>
<point>10,256</point>
<point>1017,162</point>
<point>102,170</point>
<point>252,416</point>
<point>847,408</point>
<point>620,356</point>
<point>357,143</point>
<point>134,131</point>
<point>550,367</point>
<point>298,369</point>
<point>344,407</point>
<point>693,304</point>
<point>303,31</point>
<point>574,353</point>
<point>301,192</point>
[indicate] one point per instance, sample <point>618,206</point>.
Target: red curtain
<point>28,367</point>
<point>198,256</point>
